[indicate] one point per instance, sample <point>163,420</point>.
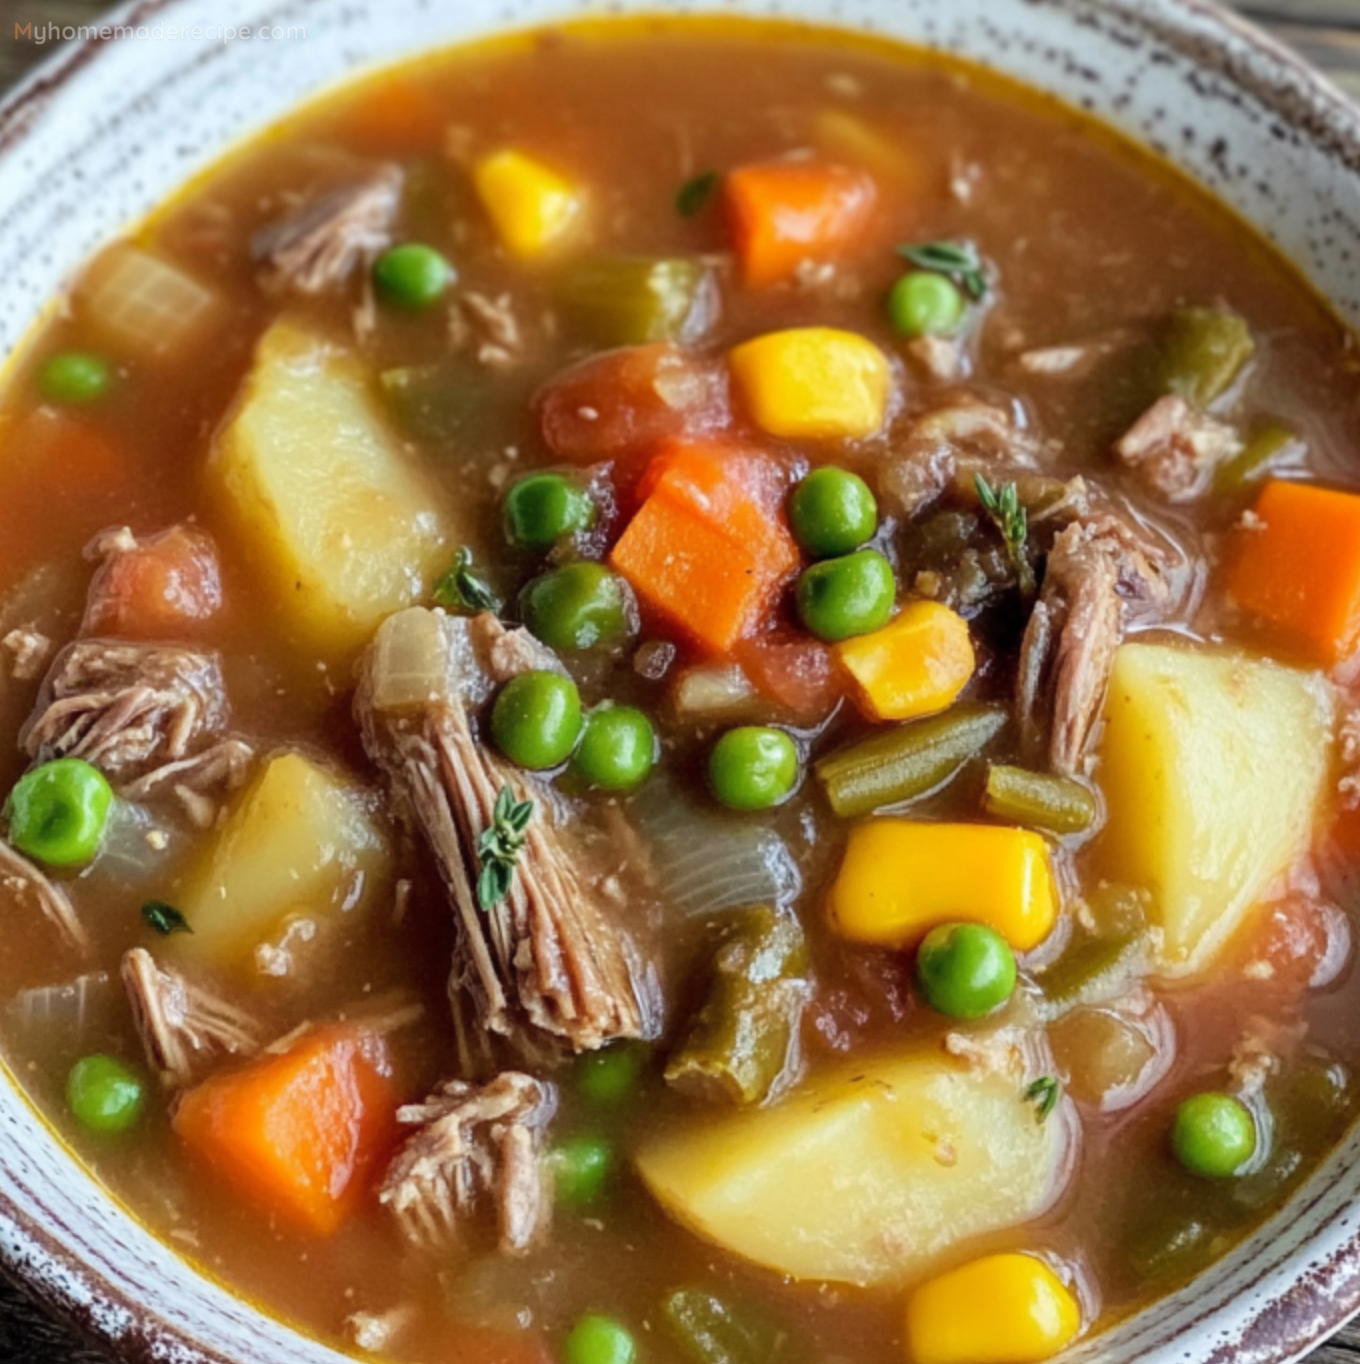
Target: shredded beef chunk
<point>1175,449</point>
<point>25,883</point>
<point>1102,572</point>
<point>962,430</point>
<point>551,954</point>
<point>479,1148</point>
<point>320,246</point>
<point>182,1027</point>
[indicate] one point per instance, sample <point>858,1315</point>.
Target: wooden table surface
<point>1327,32</point>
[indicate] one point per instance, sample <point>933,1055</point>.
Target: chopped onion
<point>712,691</point>
<point>410,661</point>
<point>707,863</point>
<point>145,305</point>
<point>65,1016</point>
<point>136,850</point>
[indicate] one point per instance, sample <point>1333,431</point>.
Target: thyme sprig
<point>462,589</point>
<point>694,194</point>
<point>500,845</point>
<point>165,918</point>
<point>957,261</point>
<point>1044,1094</point>
<point>1002,504</point>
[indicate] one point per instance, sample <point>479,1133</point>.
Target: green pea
<point>580,1167</point>
<point>965,970</point>
<point>611,1075</point>
<point>1213,1135</point>
<point>75,376</point>
<point>580,606</point>
<point>925,304</point>
<point>832,512</point>
<point>618,748</point>
<point>853,595</point>
<point>541,509</point>
<point>536,720</point>
<point>753,768</point>
<point>597,1339</point>
<point>104,1094</point>
<point>412,277</point>
<point>57,812</point>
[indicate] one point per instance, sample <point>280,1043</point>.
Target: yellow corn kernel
<point>901,878</point>
<point>811,383</point>
<point>533,208</point>
<point>914,666</point>
<point>1001,1309</point>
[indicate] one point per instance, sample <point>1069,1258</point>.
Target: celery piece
<point>427,402</point>
<point>1039,800</point>
<point>1203,351</point>
<point>908,762</point>
<point>633,300</point>
<point>739,1043</point>
<point>710,1331</point>
<point>1267,448</point>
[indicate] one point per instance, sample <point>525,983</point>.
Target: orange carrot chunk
<point>161,588</point>
<point>1297,568</point>
<point>297,1133</point>
<point>782,213</point>
<point>708,549</point>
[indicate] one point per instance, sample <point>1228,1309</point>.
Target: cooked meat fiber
<point>24,882</point>
<point>548,955</point>
<point>1101,572</point>
<point>182,1026</point>
<point>1175,449</point>
<point>479,1149</point>
<point>319,247</point>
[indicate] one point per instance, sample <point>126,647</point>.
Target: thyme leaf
<point>695,194</point>
<point>1044,1094</point>
<point>1002,504</point>
<point>462,589</point>
<point>500,845</point>
<point>958,261</point>
<point>165,918</point>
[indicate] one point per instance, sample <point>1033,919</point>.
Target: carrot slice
<point>1296,567</point>
<point>708,549</point>
<point>782,213</point>
<point>163,588</point>
<point>297,1133</point>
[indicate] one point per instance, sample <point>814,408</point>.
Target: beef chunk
<point>21,879</point>
<point>479,1147</point>
<point>551,955</point>
<point>182,1026</point>
<point>1103,571</point>
<point>1175,449</point>
<point>320,245</point>
<point>29,651</point>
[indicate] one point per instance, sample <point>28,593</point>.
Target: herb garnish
<point>694,194</point>
<point>499,847</point>
<point>958,261</point>
<point>165,918</point>
<point>1044,1094</point>
<point>461,589</point>
<point>1002,504</point>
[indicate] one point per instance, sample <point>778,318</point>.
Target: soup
<point>682,690</point>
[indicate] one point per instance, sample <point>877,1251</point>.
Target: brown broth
<point>1086,234</point>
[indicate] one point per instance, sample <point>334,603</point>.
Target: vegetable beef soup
<point>685,691</point>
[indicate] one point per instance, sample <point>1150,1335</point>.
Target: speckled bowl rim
<point>1292,1305</point>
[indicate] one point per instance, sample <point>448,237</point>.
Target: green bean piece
<point>428,402</point>
<point>632,300</point>
<point>1267,448</point>
<point>1089,970</point>
<point>738,1044</point>
<point>1039,800</point>
<point>908,762</point>
<point>1203,352</point>
<point>710,1331</point>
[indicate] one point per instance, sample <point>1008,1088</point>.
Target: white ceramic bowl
<point>105,130</point>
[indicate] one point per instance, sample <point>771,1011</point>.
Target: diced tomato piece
<point>624,404</point>
<point>157,588</point>
<point>298,1133</point>
<point>782,213</point>
<point>798,674</point>
<point>708,549</point>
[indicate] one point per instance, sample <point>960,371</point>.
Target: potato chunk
<point>299,842</point>
<point>343,529</point>
<point>1213,765</point>
<point>867,1174</point>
